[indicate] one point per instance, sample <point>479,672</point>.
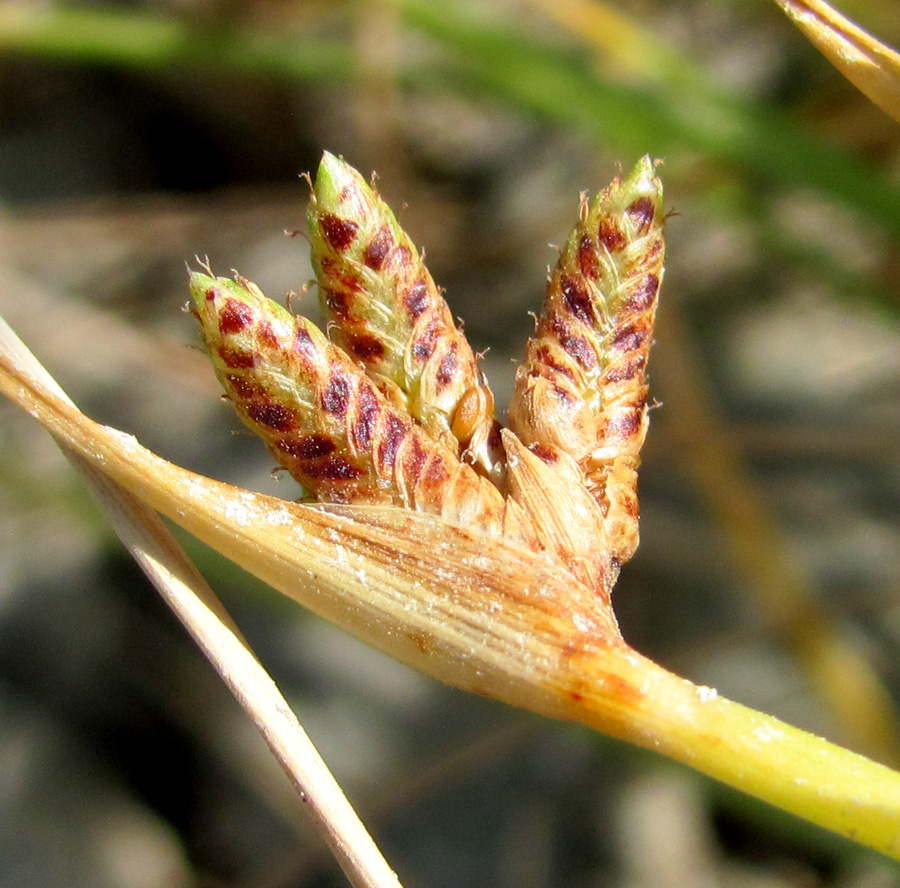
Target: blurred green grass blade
<point>683,112</point>
<point>138,40</point>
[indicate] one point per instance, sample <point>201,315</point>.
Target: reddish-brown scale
<point>577,300</point>
<point>447,367</point>
<point>544,356</point>
<point>394,433</point>
<point>273,416</point>
<point>367,413</point>
<point>576,347</point>
<point>235,317</point>
<point>351,282</point>
<point>425,344</point>
<point>587,257</point>
<point>341,275</point>
<point>237,359</point>
<point>563,396</point>
<point>304,345</point>
<point>495,438</point>
<point>336,397</point>
<point>629,338</point>
<point>332,468</point>
<point>308,447</point>
<point>542,451</point>
<point>581,350</point>
<point>414,458</point>
<point>266,336</point>
<point>610,235</point>
<point>436,472</point>
<point>416,299</point>
<point>365,347</point>
<point>541,371</point>
<point>624,424</point>
<point>337,303</point>
<point>378,248</point>
<point>652,255</point>
<point>244,388</point>
<point>643,297</point>
<point>641,211</point>
<point>398,259</point>
<point>626,371</point>
<point>338,232</point>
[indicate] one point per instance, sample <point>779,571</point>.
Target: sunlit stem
<point>454,635</point>
<point>756,753</point>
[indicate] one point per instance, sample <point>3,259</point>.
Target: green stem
<point>748,750</point>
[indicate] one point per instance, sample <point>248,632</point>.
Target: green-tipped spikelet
<point>581,389</point>
<point>394,411</point>
<point>321,417</point>
<point>387,314</point>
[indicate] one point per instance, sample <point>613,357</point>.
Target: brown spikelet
<point>385,311</point>
<point>582,388</point>
<point>322,418</point>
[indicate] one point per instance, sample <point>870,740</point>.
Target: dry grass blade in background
<point>870,65</point>
<point>186,592</point>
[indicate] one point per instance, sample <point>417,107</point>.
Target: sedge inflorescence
<point>391,408</point>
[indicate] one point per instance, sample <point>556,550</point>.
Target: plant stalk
<point>185,591</point>
<point>748,750</point>
<point>488,622</point>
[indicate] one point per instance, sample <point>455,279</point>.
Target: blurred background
<point>137,135</point>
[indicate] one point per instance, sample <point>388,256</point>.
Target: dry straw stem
<point>507,612</point>
<point>186,592</point>
<point>871,66</point>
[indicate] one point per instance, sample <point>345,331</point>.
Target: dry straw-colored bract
<point>483,557</point>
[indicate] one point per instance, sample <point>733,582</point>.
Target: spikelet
<point>370,419</point>
<point>386,312</point>
<point>322,418</point>
<point>582,388</point>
